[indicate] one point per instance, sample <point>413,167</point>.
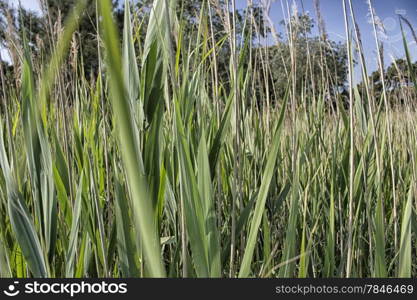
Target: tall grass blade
<point>405,262</point>
<point>263,193</point>
<point>142,206</point>
<point>20,219</point>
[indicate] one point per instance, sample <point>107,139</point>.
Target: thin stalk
<point>388,125</point>
<point>352,148</point>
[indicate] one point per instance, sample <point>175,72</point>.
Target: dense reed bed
<point>159,166</point>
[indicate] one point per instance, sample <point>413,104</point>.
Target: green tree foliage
<point>397,79</point>
<point>318,60</point>
<point>43,28</point>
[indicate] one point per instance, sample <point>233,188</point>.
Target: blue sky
<point>332,13</point>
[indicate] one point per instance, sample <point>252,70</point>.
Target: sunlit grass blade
<point>20,219</point>
<point>75,226</point>
<point>263,193</point>
<point>405,262</point>
<point>193,207</point>
<point>209,214</point>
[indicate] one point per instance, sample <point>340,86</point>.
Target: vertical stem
<point>237,166</point>
<point>183,240</point>
<point>351,153</point>
<point>217,102</point>
<point>388,124</point>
